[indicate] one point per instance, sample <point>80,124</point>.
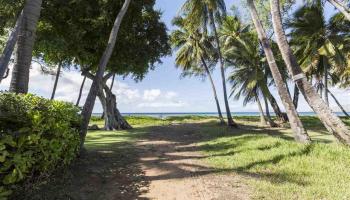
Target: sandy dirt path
<point>174,169</point>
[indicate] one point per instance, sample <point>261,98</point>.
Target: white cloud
<point>151,95</point>
<point>174,104</point>
<point>128,98</point>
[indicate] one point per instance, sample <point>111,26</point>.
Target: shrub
<point>36,136</point>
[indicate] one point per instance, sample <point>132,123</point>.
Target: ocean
<point>164,115</point>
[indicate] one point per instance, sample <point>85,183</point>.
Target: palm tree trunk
<point>325,80</point>
<point>214,90</point>
<point>300,133</point>
<point>56,81</point>
<point>296,96</point>
<point>10,46</point>
<point>280,115</point>
<point>230,121</point>
<point>329,119</point>
<point>268,116</point>
<point>25,45</point>
<point>262,116</point>
<point>90,101</point>
<point>339,105</point>
<point>81,91</point>
<point>342,8</point>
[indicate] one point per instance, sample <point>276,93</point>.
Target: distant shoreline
<point>171,114</point>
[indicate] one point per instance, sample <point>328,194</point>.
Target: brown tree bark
<point>25,45</point>
<point>300,133</point>
<point>262,115</point>
<point>328,118</point>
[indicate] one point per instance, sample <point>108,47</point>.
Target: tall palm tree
<point>25,45</point>
<point>232,33</point>
<point>249,76</point>
<point>96,85</point>
<point>202,13</point>
<point>329,119</point>
<point>194,49</point>
<point>300,133</point>
<point>321,51</point>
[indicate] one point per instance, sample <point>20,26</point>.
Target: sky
<point>162,90</point>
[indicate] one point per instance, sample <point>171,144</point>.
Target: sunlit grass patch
<point>278,167</point>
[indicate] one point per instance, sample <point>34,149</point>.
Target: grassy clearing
<point>275,166</point>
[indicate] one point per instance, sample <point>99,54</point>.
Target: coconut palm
<point>249,77</point>
<point>25,45</point>
<point>194,49</point>
<point>329,119</point>
<point>232,34</point>
<point>300,133</point>
<point>204,13</point>
<point>320,50</point>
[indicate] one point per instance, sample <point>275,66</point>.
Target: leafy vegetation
<point>36,137</point>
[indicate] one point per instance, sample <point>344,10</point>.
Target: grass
<point>275,166</point>
<point>272,164</point>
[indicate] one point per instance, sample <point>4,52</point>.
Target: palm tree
<point>320,49</point>
<point>96,85</point>
<point>201,13</point>
<point>25,44</point>
<point>329,119</point>
<point>193,50</point>
<point>248,77</point>
<point>232,33</point>
<point>300,133</point>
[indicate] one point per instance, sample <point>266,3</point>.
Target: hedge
<point>36,136</point>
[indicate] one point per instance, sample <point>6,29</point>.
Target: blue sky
<point>162,90</point>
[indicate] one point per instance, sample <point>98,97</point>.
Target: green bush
<point>36,136</point>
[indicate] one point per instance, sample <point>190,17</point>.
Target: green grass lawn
<point>275,166</point>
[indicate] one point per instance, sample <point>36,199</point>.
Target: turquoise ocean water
<point>164,115</point>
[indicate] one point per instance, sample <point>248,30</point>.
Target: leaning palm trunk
<point>25,45</point>
<point>230,121</point>
<point>268,116</point>
<point>341,7</point>
<point>80,91</point>
<point>10,46</point>
<point>325,80</point>
<point>262,116</point>
<point>329,119</point>
<point>337,102</point>
<point>214,90</point>
<point>279,114</point>
<point>56,81</point>
<point>300,133</point>
<point>296,96</point>
<point>90,101</point>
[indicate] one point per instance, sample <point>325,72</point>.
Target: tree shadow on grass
<point>105,171</point>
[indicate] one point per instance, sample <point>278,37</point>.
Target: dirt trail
<point>173,167</point>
